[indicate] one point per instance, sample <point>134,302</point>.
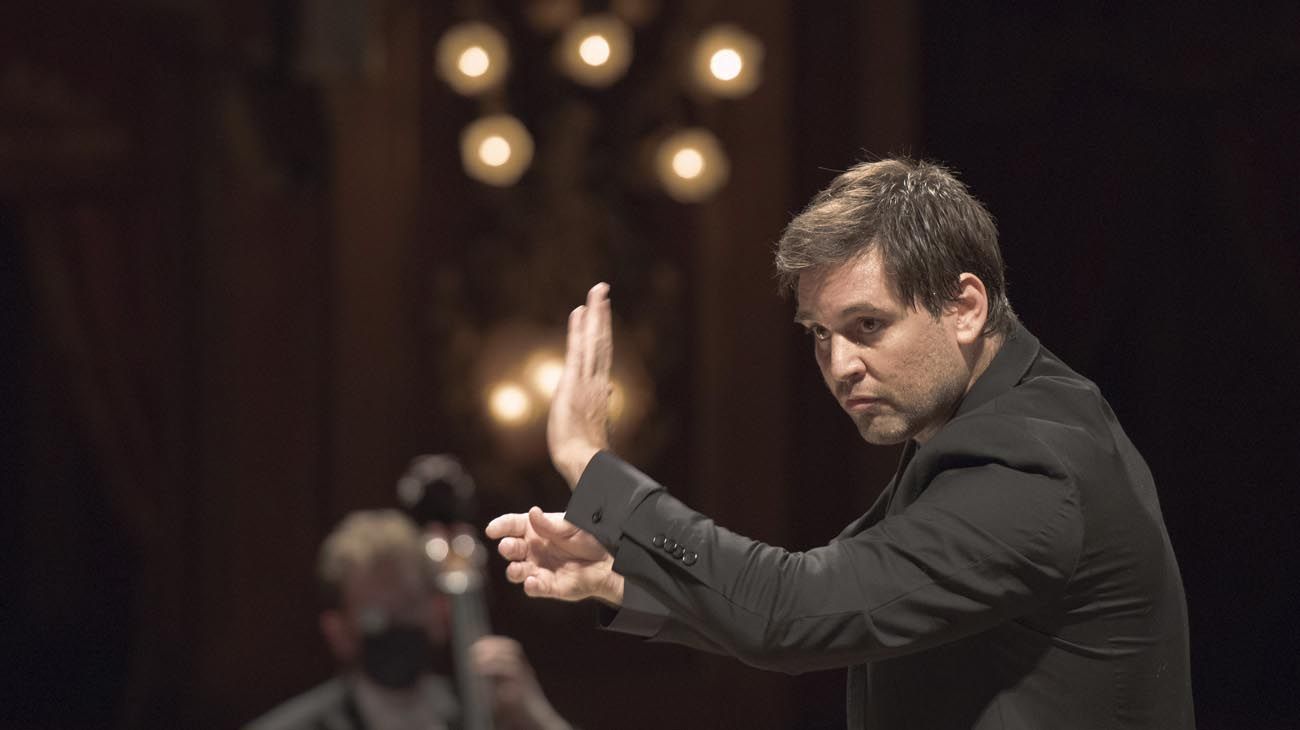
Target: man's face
<point>389,592</point>
<point>897,371</point>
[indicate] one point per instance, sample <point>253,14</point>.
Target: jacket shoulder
<point>307,711</point>
<point>990,436</point>
<point>1043,424</point>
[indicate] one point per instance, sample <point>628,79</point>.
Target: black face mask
<point>397,655</point>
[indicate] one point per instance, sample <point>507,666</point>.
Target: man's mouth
<point>860,403</point>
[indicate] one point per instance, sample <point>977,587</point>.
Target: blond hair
<point>362,540</point>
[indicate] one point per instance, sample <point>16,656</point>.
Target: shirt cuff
<point>640,615</point>
<point>607,493</point>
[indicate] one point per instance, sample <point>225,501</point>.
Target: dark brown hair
<point>929,228</point>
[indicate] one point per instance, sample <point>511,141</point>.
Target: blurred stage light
<point>727,61</point>
<point>437,548</point>
<point>509,404</point>
<point>543,371</point>
<point>595,50</point>
<point>726,64</point>
<point>474,62</point>
<point>617,401</point>
<point>688,163</point>
<point>472,58</point>
<point>516,369</point>
<point>691,165</point>
<point>496,150</point>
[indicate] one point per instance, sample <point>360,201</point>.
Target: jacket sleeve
<point>985,543</point>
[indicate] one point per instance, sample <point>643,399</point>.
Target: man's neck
<point>978,359</point>
<point>985,350</point>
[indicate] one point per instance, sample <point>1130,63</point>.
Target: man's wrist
<point>575,463</point>
<point>613,592</point>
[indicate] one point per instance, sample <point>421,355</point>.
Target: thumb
<point>548,526</point>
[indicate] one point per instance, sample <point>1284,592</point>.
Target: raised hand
<point>552,558</point>
<point>578,426</point>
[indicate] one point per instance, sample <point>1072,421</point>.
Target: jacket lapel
<point>880,507</point>
<point>1008,368</point>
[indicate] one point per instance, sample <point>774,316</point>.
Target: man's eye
<point>869,326</point>
<point>818,332</point>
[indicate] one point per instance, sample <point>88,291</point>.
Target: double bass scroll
<point>439,494</point>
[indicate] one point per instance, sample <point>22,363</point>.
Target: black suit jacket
<point>1016,573</point>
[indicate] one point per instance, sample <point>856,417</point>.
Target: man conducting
<point>1015,573</point>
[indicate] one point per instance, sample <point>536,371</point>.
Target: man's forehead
<point>386,577</point>
<point>856,286</point>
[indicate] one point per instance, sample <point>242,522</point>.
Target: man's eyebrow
<point>864,308</point>
<point>853,309</point>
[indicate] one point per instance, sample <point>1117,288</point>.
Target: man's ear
<point>339,636</point>
<point>970,310</point>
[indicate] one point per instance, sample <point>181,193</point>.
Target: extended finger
<point>512,548</point>
<point>603,347</point>
<point>508,525</point>
<point>573,349</point>
<point>518,572</point>
<point>597,302</point>
<point>539,586</point>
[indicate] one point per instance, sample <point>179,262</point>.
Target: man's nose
<point>845,361</point>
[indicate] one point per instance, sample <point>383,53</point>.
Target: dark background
<point>238,297</point>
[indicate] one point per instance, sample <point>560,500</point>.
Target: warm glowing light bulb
<point>594,50</point>
<point>509,403</point>
<point>688,163</point>
<point>691,164</point>
<point>546,376</point>
<point>494,151</point>
<point>474,61</point>
<point>472,58</point>
<point>726,64</point>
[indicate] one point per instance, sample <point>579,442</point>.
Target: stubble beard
<point>925,413</point>
<point>896,428</point>
<point>882,429</point>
